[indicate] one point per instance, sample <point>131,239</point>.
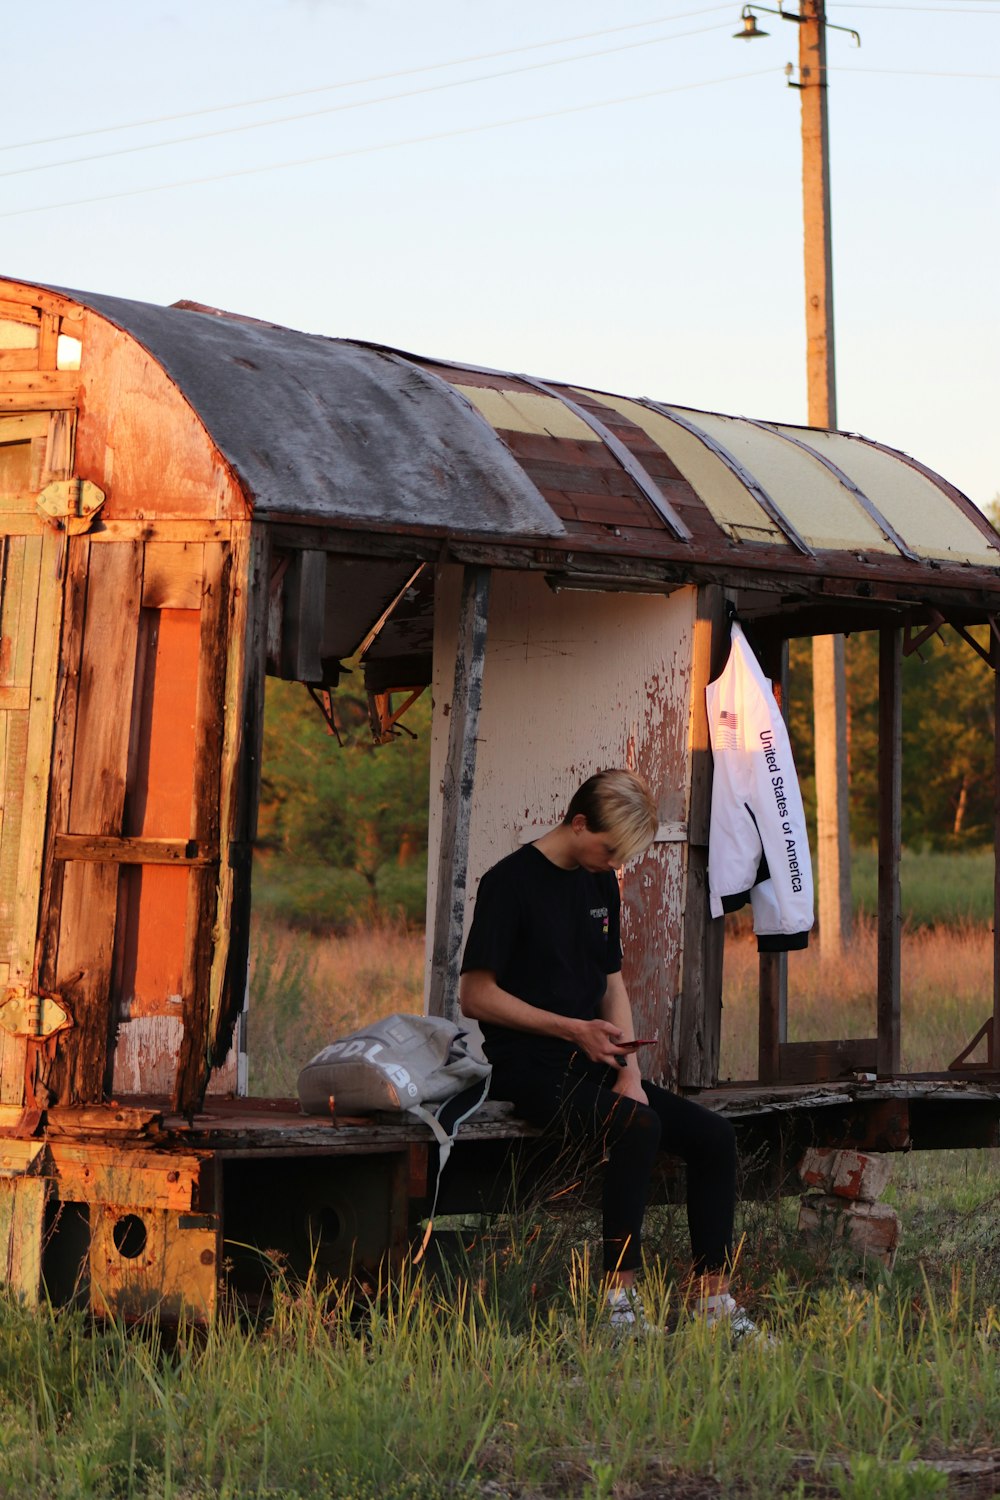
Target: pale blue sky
<point>652,247</point>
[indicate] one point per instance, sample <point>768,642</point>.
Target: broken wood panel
<point>243,627</point>
<point>172,575</point>
<point>203,887</point>
<point>890,809</point>
<point>59,447</point>
<point>147,1050</point>
<point>457,786</point>
<point>96,806</point>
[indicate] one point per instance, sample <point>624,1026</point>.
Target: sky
<point>608,195</point>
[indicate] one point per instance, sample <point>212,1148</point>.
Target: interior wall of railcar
<point>573,682</point>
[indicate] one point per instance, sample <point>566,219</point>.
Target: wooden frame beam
<point>459,778</point>
<point>890,801</point>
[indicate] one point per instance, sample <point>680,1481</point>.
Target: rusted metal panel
<point>319,402</point>
<point>154,1261</point>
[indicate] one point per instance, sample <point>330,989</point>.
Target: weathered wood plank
<point>459,779</point>
<point>203,888</point>
<point>89,900</point>
<point>154,528</point>
<point>44,674</point>
<point>245,614</point>
<point>77,570</point>
<point>18,359</point>
<point>173,575</point>
<point>890,806</point>
<point>822,1062</point>
<point>22,1220</point>
<point>48,341</point>
<point>112,849</point>
<point>697,1033</point>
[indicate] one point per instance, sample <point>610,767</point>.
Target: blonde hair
<point>618,803</point>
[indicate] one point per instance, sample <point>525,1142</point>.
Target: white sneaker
<point>625,1311</point>
<point>723,1311</point>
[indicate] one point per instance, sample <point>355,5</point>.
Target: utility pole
<point>829,676</point>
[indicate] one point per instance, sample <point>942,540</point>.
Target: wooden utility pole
<point>829,678</point>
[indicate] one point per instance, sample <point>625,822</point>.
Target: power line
<point>947,10</point>
<point>916,73</point>
<point>330,109</point>
<point>348,83</point>
<point>419,140</point>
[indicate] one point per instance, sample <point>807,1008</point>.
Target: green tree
<point>351,805</point>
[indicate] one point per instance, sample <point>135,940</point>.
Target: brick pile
<point>840,1203</point>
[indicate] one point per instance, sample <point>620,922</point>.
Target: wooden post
<point>459,777</point>
<point>890,801</point>
<point>698,1012</point>
<point>772,982</point>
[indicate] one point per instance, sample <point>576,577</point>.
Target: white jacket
<point>758,845</point>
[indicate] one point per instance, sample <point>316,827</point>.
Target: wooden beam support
<point>890,801</point>
<point>994,1052</point>
<point>459,778</point>
<point>772,983</point>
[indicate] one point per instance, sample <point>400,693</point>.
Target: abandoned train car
<point>190,500</point>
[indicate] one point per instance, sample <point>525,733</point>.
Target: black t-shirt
<point>551,936</point>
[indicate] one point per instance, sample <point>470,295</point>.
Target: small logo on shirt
<point>601,913</point>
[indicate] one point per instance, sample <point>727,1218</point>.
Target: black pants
<point>576,1099</point>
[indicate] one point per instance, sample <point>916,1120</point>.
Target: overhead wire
<point>348,83</point>
<point>420,140</point>
<point>330,109</point>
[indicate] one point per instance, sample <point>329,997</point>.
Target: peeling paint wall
<point>575,682</point>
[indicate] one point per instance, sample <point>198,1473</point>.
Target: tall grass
<point>417,1391</point>
<point>306,991</point>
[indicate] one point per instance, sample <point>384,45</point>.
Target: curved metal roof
<point>355,436</point>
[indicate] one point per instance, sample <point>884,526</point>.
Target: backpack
<point>422,1066</point>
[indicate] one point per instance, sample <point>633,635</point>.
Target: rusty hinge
<point>70,504</point>
<point>25,1014</point>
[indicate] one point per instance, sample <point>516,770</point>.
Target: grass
<point>307,991</point>
<point>424,1389</point>
<point>946,981</point>
<point>937,889</point>
<point>489,1370</point>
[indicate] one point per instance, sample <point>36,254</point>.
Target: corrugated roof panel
<point>926,518</point>
<point>524,411</point>
<point>717,487</point>
<point>823,510</point>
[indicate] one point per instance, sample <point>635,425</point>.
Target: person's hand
<point>597,1039</point>
<point>629,1085</point>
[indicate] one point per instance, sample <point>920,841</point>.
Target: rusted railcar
<point>190,500</point>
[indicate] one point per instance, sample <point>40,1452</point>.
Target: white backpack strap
<point>445,1143</point>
